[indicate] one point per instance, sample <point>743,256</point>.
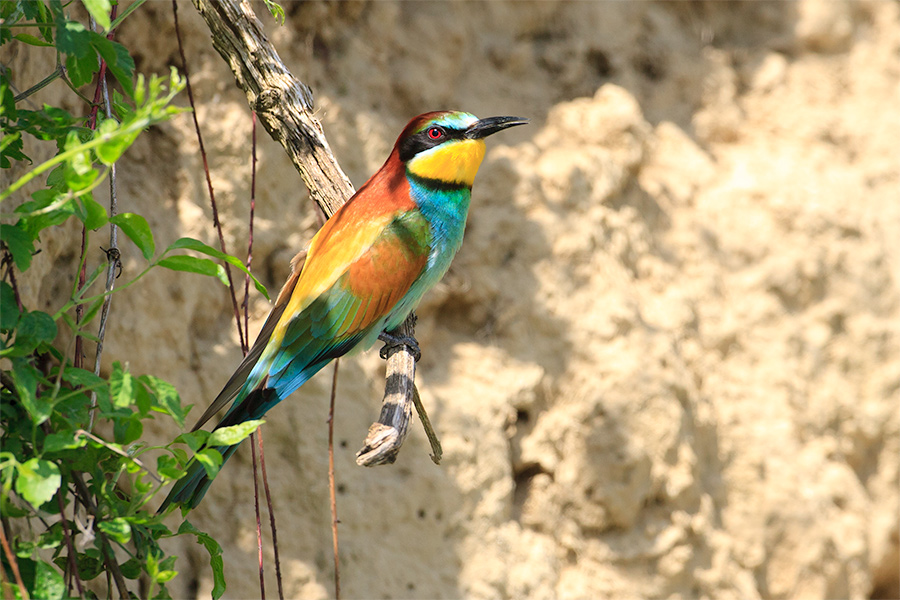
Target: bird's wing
<point>363,293</point>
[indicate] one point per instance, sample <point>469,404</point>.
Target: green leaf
<point>89,567</point>
<point>166,466</point>
<point>222,275</point>
<point>131,568</point>
<point>190,264</point>
<point>11,146</point>
<point>229,436</point>
<point>79,168</point>
<point>126,431</point>
<point>215,556</point>
<point>7,101</point>
<point>31,40</point>
<point>118,529</point>
<point>52,537</point>
<point>48,208</point>
<point>167,399</point>
<point>122,109</point>
<point>194,439</point>
<point>38,325</point>
<point>72,37</point>
<point>99,9</point>
<point>81,69</point>
<point>37,481</point>
<point>57,442</point>
<point>211,461</point>
<point>34,328</point>
<point>140,90</point>
<point>9,309</point>
<point>83,377</point>
<point>82,291</point>
<point>26,377</point>
<point>186,243</point>
<point>90,212</point>
<point>48,582</point>
<point>138,231</point>
<point>114,141</point>
<point>143,400</point>
<point>121,386</point>
<point>276,10</point>
<point>118,62</point>
<point>88,316</point>
<point>19,243</point>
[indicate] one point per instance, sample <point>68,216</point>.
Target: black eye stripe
<point>421,141</point>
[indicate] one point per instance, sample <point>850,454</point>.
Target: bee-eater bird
<point>365,271</point>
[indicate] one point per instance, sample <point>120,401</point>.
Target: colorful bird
<point>366,270</point>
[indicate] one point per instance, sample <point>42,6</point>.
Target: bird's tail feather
<point>190,489</point>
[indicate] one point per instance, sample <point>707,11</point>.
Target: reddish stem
<point>212,195</point>
<point>246,302</point>
<point>262,571</point>
<point>331,486</point>
<point>67,535</point>
<point>12,562</point>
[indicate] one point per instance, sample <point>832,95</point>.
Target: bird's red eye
<point>435,133</point>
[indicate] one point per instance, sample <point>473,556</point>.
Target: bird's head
<point>448,146</point>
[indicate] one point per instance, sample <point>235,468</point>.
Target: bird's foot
<point>396,341</point>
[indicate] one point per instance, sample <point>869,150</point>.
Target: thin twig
<point>331,486</point>
<point>11,272</point>
<point>436,451</point>
<point>11,558</point>
<point>246,306</point>
<point>212,195</point>
<point>70,548</point>
<point>78,360</point>
<point>259,548</point>
<point>101,79</point>
<point>246,302</point>
<point>56,74</point>
<point>265,478</point>
<point>113,256</point>
<point>109,558</point>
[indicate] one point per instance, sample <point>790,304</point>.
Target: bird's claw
<point>396,341</point>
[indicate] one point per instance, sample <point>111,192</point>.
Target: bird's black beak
<point>485,127</point>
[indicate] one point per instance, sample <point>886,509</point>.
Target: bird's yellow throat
<point>453,162</point>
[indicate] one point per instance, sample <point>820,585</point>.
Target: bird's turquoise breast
<point>445,208</point>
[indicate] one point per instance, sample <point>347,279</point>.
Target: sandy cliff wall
<point>666,362</point>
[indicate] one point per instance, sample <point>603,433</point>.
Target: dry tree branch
<point>285,108</point>
<point>284,104</point>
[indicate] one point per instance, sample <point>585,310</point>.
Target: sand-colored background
<point>666,362</point>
